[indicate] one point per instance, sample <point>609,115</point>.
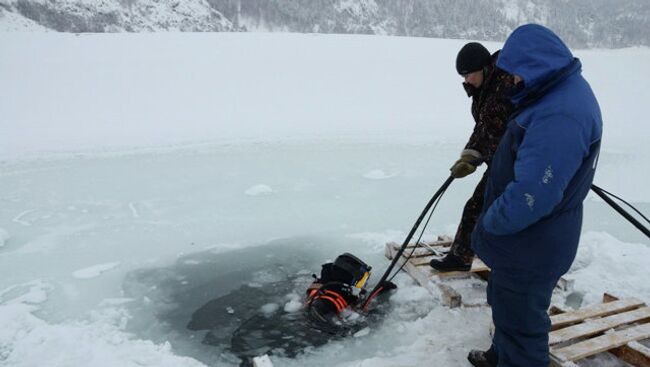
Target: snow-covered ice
<point>378,174</point>
<point>4,236</point>
<point>129,157</point>
<point>95,270</point>
<point>607,264</point>
<point>257,190</point>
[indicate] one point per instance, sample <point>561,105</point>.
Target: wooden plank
<point>556,310</point>
<point>388,251</point>
<point>419,252</point>
<point>596,326</point>
<point>450,297</point>
<point>633,353</point>
<point>420,276</point>
<point>422,256</point>
<point>602,343</point>
<point>599,310</point>
<point>443,244</point>
<point>421,261</point>
<point>423,276</point>
<point>418,268</point>
<point>477,265</point>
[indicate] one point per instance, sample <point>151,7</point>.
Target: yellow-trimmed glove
<point>466,165</point>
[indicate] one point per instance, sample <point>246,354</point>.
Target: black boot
<point>479,358</point>
<point>450,262</point>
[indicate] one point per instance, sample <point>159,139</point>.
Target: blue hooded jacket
<point>545,163</point>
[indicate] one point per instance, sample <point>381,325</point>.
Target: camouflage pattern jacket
<point>491,107</point>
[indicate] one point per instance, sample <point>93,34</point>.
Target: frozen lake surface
<point>144,176</point>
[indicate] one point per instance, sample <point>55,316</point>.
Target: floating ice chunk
<point>269,308</point>
<point>294,304</point>
<point>363,332</point>
<point>263,361</point>
<point>377,174</point>
<point>34,292</point>
<point>4,236</point>
<point>259,190</point>
<point>94,271</point>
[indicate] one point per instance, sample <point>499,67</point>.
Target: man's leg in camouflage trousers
<point>461,246</point>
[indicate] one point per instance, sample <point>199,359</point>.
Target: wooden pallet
<point>616,326</point>
<point>435,282</point>
<point>455,288</point>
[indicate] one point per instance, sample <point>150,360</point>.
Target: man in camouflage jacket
<point>491,106</point>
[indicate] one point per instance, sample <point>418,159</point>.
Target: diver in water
<point>335,306</point>
<point>340,287</point>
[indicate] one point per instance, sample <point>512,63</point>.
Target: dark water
<point>226,308</point>
<point>247,332</point>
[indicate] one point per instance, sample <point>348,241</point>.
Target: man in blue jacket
<point>529,228</point>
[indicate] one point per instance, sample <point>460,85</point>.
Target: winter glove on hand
<point>466,165</point>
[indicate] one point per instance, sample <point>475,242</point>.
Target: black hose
<point>603,195</point>
<point>424,227</point>
<point>397,256</point>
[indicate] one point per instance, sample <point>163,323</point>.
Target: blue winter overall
<point>530,226</point>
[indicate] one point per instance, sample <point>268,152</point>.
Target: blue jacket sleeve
<point>552,150</point>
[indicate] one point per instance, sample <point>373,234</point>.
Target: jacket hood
<point>534,53</point>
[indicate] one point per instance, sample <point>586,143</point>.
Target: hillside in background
<point>582,23</point>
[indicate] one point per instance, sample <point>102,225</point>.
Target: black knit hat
<point>472,57</point>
